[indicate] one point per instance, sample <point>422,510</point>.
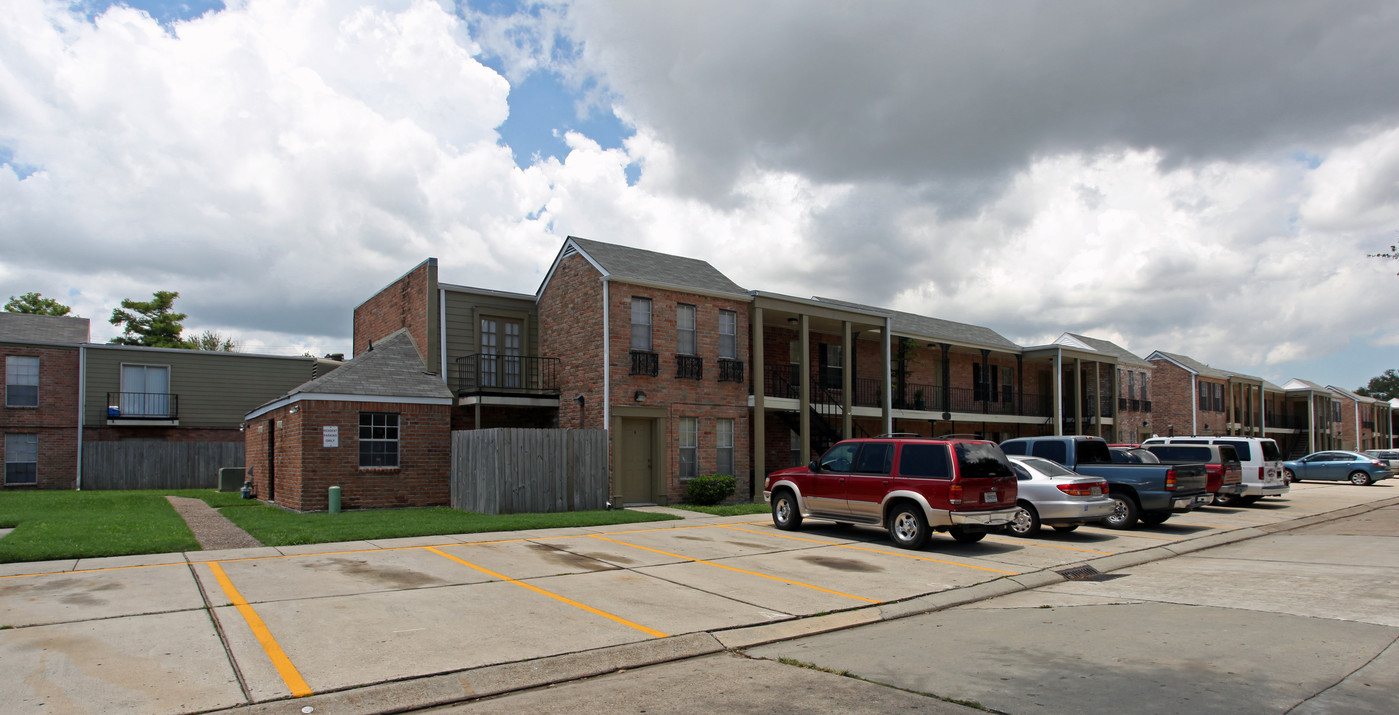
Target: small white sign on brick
<point>330,436</point>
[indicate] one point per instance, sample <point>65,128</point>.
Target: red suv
<point>907,484</point>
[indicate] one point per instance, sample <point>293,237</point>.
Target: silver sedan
<point>1051,495</point>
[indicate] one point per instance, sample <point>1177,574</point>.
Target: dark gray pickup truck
<point>1151,492</point>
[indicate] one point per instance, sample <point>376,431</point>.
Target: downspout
<point>442,335</point>
<point>606,356</point>
<point>82,408</point>
<point>1058,391</point>
<point>1311,422</point>
<point>1194,406</point>
<point>1358,446</point>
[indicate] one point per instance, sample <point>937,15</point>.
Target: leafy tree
<point>211,340</point>
<point>36,303</point>
<point>151,323</point>
<point>1382,387</point>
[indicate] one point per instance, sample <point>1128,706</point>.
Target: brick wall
<point>706,399</point>
<point>401,304</point>
<point>1172,399</point>
<point>497,416</point>
<point>570,328</point>
<point>305,470</point>
<point>54,421</point>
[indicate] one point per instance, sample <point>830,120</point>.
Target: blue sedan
<point>1360,469</point>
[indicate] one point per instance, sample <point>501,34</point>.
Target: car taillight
<point>1377,464</point>
<point>1214,470</point>
<point>1260,474</point>
<point>1170,480</point>
<point>1082,490</point>
<point>954,494</point>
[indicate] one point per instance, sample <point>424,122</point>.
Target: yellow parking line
<point>280,661</point>
<point>738,570</point>
<point>555,596</point>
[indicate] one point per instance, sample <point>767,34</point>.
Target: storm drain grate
<point>1086,573</point>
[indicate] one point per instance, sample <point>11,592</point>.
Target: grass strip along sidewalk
<point>66,525</point>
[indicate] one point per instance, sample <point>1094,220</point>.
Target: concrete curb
<point>460,686</point>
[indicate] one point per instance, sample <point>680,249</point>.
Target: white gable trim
<point>568,248</point>
<point>1071,341</point>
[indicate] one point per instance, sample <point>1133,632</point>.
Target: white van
<point>1260,458</point>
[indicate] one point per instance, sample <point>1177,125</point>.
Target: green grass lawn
<point>727,509</point>
<point>67,524</point>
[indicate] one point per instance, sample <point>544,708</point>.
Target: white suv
<point>1261,461</point>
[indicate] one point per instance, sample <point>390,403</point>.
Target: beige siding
<point>465,309</point>
<point>215,389</point>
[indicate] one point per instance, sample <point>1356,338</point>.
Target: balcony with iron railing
<point>495,374</point>
<point>143,406</point>
<point>730,370</point>
<point>784,380</point>
<point>689,367</point>
<point>645,363</point>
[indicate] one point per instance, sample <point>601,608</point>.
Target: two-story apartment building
<point>66,396</point>
<point>39,413</point>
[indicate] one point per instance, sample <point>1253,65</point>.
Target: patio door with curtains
<point>145,391</point>
<point>500,353</point>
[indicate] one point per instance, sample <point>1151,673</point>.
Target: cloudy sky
<point>1196,177</point>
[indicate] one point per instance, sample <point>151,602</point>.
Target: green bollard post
<point>335,500</point>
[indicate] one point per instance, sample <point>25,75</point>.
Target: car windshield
<point>1050,468</point>
<point>982,460</point>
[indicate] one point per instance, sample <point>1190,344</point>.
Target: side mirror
<point>814,466</point>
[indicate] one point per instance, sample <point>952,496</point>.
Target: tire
<point>1066,528</point>
<point>1155,518</point>
<point>1360,479</point>
<point>968,537</point>
<point>1026,521</point>
<point>908,528</point>
<point>1230,500</point>
<point>786,515</point>
<point>1288,476</point>
<point>1124,516</point>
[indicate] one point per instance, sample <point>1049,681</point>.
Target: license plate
<point>988,497</point>
<point>1097,492</point>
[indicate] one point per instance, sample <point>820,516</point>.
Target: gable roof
<point>637,265</point>
<point>1189,364</point>
<point>1298,383</point>
<point>934,328</point>
<point>33,328</point>
<point>1124,357</point>
<point>391,370</point>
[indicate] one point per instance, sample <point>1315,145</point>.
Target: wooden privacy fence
<point>152,464</point>
<point>514,471</point>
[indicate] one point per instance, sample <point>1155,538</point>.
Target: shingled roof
<point>390,368</point>
<point>1196,366</point>
<point>32,328</point>
<point>649,267</point>
<point>935,328</point>
<point>1124,357</point>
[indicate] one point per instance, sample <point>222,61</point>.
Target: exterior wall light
<point>640,396</point>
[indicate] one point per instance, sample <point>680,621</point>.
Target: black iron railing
<point>645,363</point>
<point>142,406</point>
<point>689,367</point>
<point>507,374</point>
<point>730,370</point>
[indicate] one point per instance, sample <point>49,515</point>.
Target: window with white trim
<point>724,446</point>
<point>21,381</point>
<point>685,329</point>
<point>689,447</point>
<point>378,439</point>
<point>145,391</point>
<point>641,324</point>
<point>728,334</point>
<point>21,459</point>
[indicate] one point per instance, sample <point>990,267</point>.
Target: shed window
<point>378,439</point>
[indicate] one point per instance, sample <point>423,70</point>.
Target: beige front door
<point>635,476</point>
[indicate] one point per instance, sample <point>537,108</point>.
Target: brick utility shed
<point>378,427</point>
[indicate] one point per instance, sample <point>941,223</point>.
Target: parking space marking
<point>738,570</point>
<point>295,683</point>
<point>1131,533</point>
<point>648,631</point>
<point>877,551</point>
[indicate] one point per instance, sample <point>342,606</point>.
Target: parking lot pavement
<point>1298,621</point>
<point>331,619</point>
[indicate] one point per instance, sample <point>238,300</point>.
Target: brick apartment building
<point>39,413</point>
